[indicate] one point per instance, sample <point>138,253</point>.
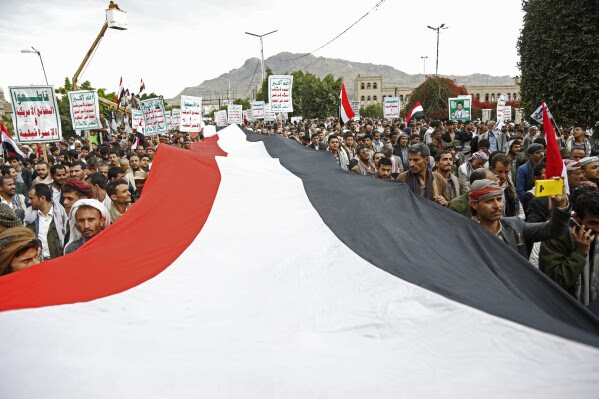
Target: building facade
<point>370,90</point>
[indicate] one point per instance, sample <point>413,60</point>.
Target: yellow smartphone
<point>545,188</point>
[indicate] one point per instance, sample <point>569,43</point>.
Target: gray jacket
<point>520,235</point>
<point>502,140</point>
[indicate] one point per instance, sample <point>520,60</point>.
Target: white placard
<point>176,117</point>
<point>169,120</point>
<point>220,118</point>
<point>154,116</point>
<point>258,109</point>
<point>269,116</point>
<point>235,114</point>
<point>355,106</point>
<point>279,93</point>
<point>36,118</point>
<point>296,119</point>
<point>85,111</point>
<point>137,120</point>
<point>391,107</point>
<point>191,114</point>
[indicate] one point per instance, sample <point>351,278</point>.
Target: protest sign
<point>391,107</point>
<point>36,118</point>
<point>235,114</point>
<point>538,114</point>
<point>249,115</point>
<point>258,109</point>
<point>296,119</point>
<point>460,108</point>
<point>269,116</point>
<point>168,119</point>
<point>221,118</point>
<point>85,112</point>
<point>355,106</point>
<point>176,117</point>
<point>501,107</point>
<point>279,93</point>
<point>486,113</point>
<point>191,114</point>
<point>154,116</point>
<point>519,115</point>
<point>137,120</point>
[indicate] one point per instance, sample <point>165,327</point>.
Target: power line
<point>376,6</point>
<point>252,81</point>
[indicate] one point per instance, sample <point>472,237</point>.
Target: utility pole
<point>438,29</point>
<point>424,58</point>
<point>261,49</point>
<point>34,51</point>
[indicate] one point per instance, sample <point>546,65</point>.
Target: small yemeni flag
<point>117,98</point>
<point>553,157</point>
<point>417,108</point>
<point>345,111</point>
<point>6,139</point>
<point>142,86</point>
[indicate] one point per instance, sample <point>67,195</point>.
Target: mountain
<point>247,77</point>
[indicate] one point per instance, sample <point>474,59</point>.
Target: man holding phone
<point>572,259</point>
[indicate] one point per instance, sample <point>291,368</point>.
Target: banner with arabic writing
<point>154,116</point>
<point>391,106</point>
<point>279,93</point>
<point>137,120</point>
<point>258,109</point>
<point>36,118</point>
<point>85,111</point>
<point>269,116</point>
<point>191,114</point>
<point>169,120</point>
<point>235,114</point>
<point>221,118</point>
<point>176,118</point>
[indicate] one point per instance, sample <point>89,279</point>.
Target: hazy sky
<point>172,45</point>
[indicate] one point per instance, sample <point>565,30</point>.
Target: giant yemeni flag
<point>264,275</point>
<point>345,111</point>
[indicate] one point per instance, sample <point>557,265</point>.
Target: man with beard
<point>9,196</point>
<point>590,169</point>
<point>444,163</point>
<point>514,148</point>
<point>72,191</point>
<point>88,219</point>
<point>401,150</point>
<point>47,220</point>
<point>383,170</point>
<point>421,180</point>
<point>59,176</point>
<point>476,161</point>
<point>43,173</point>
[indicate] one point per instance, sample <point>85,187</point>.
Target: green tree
<point>372,111</point>
<point>243,102</point>
<point>222,107</point>
<point>433,94</point>
<point>559,53</point>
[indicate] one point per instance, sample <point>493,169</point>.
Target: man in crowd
<point>444,162</point>
<point>461,204</point>
<point>365,166</point>
<point>525,175</point>
<point>486,202</point>
<point>98,182</point>
<point>514,148</point>
<point>43,173</point>
<point>24,175</point>
<point>72,191</point>
<point>572,259</point>
<point>421,180</point>
<point>579,140</point>
<point>88,219</point>
<point>139,178</point>
<point>47,220</point>
<point>9,171</point>
<point>118,191</point>
<point>384,168</point>
<point>340,156</point>
<point>590,169</point>
<point>78,170</point>
<point>476,161</point>
<point>577,153</point>
<point>59,176</point>
<point>500,165</point>
<point>314,142</point>
<point>9,196</point>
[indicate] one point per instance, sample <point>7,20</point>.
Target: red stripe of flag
<point>553,157</point>
<point>345,111</point>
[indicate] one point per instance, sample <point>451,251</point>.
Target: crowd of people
<point>486,173</point>
<point>52,204</point>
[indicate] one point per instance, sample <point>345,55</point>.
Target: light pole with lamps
<point>424,58</point>
<point>34,51</point>
<point>438,29</point>
<point>261,48</point>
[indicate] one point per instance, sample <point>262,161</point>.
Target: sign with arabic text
<point>391,107</point>
<point>137,120</point>
<point>176,117</point>
<point>221,118</point>
<point>269,116</point>
<point>36,118</point>
<point>279,93</point>
<point>85,111</point>
<point>257,109</point>
<point>154,116</point>
<point>169,121</point>
<point>191,114</point>
<point>235,113</point>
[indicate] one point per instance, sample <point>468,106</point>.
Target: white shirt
<point>43,227</point>
<point>56,195</point>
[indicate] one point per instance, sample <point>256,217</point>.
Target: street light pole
<point>229,92</point>
<point>34,51</point>
<point>438,29</point>
<point>261,48</point>
<point>424,58</point>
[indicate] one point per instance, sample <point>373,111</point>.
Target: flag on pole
<point>10,143</point>
<point>345,111</point>
<point>537,116</point>
<point>553,157</point>
<point>117,98</point>
<point>142,86</point>
<point>417,108</point>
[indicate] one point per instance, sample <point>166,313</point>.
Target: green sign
<point>460,108</point>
